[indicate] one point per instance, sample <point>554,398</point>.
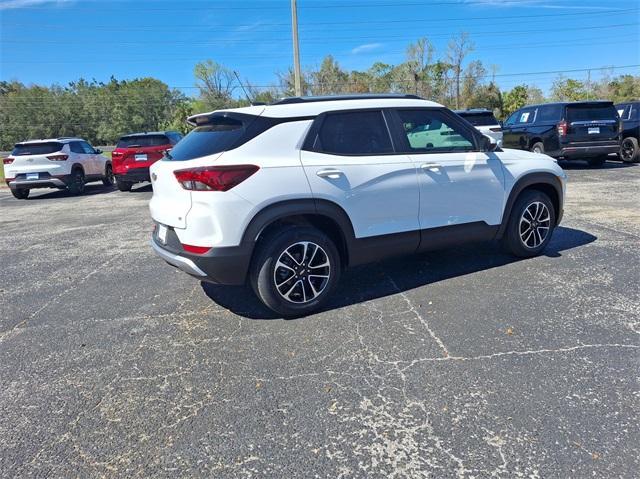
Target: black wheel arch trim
<point>525,182</point>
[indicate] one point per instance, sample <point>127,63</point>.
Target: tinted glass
<point>549,113</point>
<point>480,119</point>
<point>216,136</point>
<point>76,147</point>
<point>36,148</point>
<point>513,118</point>
<point>142,141</point>
<point>88,149</point>
<point>430,130</point>
<point>623,111</point>
<point>355,133</point>
<point>591,113</point>
<point>526,116</point>
<point>634,112</point>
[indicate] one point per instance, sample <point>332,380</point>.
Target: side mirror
<point>488,144</point>
<point>98,151</point>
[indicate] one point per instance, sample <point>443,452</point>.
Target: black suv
<point>587,130</point>
<point>630,114</point>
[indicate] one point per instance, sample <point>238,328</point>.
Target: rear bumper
<point>59,182</point>
<point>585,151</point>
<point>227,266</point>
<point>134,175</point>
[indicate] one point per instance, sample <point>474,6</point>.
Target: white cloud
<point>367,47</point>
<point>9,4</point>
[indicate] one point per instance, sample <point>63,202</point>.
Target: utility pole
<point>296,49</point>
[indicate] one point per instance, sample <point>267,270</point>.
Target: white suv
<point>287,195</point>
<point>55,163</point>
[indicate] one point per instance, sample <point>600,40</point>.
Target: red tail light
<point>195,249</point>
<point>563,128</point>
<point>7,161</point>
<point>214,178</point>
<point>58,157</point>
<point>116,153</point>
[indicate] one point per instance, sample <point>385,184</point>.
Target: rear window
<point>142,141</point>
<point>36,148</point>
<point>217,135</point>
<point>591,113</point>
<point>480,119</point>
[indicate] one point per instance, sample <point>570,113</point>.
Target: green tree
<point>514,99</point>
<point>568,90</point>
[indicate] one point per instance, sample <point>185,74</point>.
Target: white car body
<point>384,196</point>
<point>50,163</point>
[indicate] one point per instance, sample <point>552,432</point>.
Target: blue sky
<point>57,41</point>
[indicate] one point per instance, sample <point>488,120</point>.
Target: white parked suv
<point>287,195</point>
<point>55,163</point>
<point>484,121</point>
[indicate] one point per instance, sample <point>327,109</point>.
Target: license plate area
<point>33,176</point>
<point>594,130</point>
<point>140,157</point>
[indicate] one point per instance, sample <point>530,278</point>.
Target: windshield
<point>217,135</point>
<point>142,141</point>
<point>591,113</point>
<point>480,119</point>
<point>36,148</point>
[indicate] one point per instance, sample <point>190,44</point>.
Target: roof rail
<point>364,96</point>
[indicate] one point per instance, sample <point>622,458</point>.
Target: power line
<point>321,39</point>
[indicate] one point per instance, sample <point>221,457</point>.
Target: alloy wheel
<point>535,224</point>
<point>627,150</point>
<point>302,272</point>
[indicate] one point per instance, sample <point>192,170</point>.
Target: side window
<point>512,120</point>
<point>634,113</point>
<point>623,111</point>
<point>354,133</point>
<point>75,147</point>
<point>432,131</point>
<point>548,113</point>
<point>527,116</point>
<point>88,149</point>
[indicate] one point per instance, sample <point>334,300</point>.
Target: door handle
<point>431,166</point>
<point>330,173</point>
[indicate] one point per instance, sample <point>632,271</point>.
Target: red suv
<point>135,153</point>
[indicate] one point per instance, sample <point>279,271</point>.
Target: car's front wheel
<point>20,193</point>
<point>295,270</point>
<point>531,224</point>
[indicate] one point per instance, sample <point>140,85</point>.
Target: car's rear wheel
<point>531,224</point>
<point>108,179</point>
<point>123,185</point>
<point>629,151</point>
<point>597,162</point>
<point>76,183</point>
<point>538,147</point>
<point>295,270</point>
<point>20,193</point>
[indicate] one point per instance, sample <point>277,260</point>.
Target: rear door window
<point>354,133</point>
<point>577,113</point>
<point>36,148</point>
<point>526,116</point>
<point>480,119</point>
<point>142,141</point>
<point>215,135</point>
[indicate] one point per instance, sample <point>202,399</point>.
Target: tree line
<point>100,112</point>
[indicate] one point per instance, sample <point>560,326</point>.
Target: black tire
<point>538,147</point>
<point>629,150</point>
<point>20,193</point>
<point>517,237</point>
<point>265,270</point>
<point>108,179</point>
<point>76,182</point>
<point>597,162</point>
<point>123,185</point>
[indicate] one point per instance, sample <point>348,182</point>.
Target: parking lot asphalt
<point>460,363</point>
